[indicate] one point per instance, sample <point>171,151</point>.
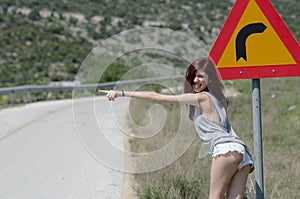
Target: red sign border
<point>252,72</point>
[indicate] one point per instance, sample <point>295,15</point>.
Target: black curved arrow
<point>244,33</point>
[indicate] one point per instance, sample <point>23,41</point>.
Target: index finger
<point>103,91</point>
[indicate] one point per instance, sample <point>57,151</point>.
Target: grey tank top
<point>212,132</point>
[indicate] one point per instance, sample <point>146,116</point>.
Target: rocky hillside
<point>43,41</point>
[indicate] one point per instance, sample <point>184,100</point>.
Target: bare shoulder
<point>203,101</point>
<point>202,96</point>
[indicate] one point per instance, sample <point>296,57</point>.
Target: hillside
<point>43,41</point>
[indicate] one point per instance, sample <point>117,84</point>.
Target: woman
<point>231,160</point>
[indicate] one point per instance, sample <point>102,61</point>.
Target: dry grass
<point>281,144</point>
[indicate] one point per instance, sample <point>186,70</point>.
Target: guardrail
<point>28,89</point>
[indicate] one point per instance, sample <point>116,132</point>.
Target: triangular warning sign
<point>255,43</point>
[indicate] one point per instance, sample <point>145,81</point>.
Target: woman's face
<point>199,81</point>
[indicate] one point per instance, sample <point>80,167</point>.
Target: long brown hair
<point>214,85</point>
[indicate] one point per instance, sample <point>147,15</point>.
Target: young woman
<point>231,160</point>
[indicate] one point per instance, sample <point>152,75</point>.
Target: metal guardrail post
<point>28,95</point>
<point>11,97</point>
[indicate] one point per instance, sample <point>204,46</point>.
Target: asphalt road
<point>42,156</point>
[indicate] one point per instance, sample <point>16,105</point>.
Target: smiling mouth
<point>196,86</point>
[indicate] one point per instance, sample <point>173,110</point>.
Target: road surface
<point>41,155</point>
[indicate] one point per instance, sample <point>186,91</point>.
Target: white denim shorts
<point>223,148</point>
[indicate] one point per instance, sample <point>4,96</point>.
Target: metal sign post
<point>257,139</point>
<point>236,60</point>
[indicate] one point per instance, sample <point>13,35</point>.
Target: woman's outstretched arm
<point>187,98</point>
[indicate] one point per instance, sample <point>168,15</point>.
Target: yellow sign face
<point>260,44</point>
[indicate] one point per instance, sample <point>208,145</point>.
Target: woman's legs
<point>237,184</point>
<point>223,168</point>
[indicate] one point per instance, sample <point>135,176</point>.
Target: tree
<point>34,15</point>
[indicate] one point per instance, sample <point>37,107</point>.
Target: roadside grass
<point>188,177</point>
